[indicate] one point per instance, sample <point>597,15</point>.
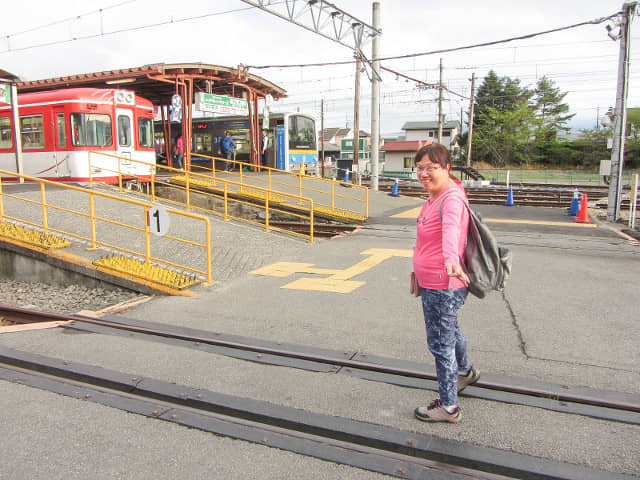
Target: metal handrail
<point>330,203</point>
<point>230,191</point>
<point>93,218</point>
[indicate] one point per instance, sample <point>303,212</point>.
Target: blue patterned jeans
<point>445,340</point>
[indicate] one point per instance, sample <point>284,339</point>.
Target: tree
<point>504,136</point>
<point>500,103</point>
<point>591,147</point>
<point>551,116</point>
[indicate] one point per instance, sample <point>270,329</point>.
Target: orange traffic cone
<point>583,213</point>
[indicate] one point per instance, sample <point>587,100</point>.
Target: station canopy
<point>157,82</point>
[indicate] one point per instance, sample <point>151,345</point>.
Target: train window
<point>124,131</point>
<point>62,134</point>
<point>31,129</point>
<point>91,130</point>
<point>145,132</point>
<point>5,133</point>
<point>302,133</point>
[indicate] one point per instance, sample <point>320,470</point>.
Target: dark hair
<point>436,153</point>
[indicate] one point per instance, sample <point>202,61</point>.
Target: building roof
<point>150,81</point>
<point>428,125</point>
<point>402,146</point>
<point>328,133</point>
<point>330,147</point>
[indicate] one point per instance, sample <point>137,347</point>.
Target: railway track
<point>374,447</point>
<point>536,195</point>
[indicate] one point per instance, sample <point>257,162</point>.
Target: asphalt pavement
<point>568,316</point>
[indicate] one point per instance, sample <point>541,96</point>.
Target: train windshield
<point>145,132</point>
<point>91,130</point>
<point>302,133</point>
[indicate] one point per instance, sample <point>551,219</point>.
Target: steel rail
<point>183,405</point>
<point>20,315</point>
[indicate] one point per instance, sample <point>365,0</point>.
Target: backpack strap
<point>452,194</point>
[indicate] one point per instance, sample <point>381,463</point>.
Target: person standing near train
<point>440,281</point>
<point>264,145</point>
<point>179,152</point>
<point>226,148</point>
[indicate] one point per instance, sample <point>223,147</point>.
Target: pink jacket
<point>438,242</point>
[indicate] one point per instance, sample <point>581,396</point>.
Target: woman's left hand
<point>455,270</point>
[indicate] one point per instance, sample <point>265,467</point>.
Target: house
<point>399,157</point>
<point>426,130</point>
<point>334,135</point>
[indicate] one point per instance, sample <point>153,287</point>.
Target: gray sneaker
<point>469,379</point>
<point>435,412</point>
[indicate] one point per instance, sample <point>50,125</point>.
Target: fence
<point>327,198</point>
<point>105,220</point>
<point>213,194</point>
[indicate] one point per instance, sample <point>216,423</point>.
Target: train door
<point>60,153</point>
<point>125,141</point>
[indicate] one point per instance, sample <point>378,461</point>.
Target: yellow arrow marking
<point>338,280</point>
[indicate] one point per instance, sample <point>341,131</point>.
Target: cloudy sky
<point>43,39</point>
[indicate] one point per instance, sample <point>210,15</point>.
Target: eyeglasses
<point>429,169</point>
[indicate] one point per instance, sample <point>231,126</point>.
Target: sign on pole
<point>208,102</point>
<point>158,219</point>
<point>176,109</point>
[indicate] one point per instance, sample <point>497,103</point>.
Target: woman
<point>439,279</point>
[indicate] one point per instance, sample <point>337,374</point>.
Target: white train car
<point>60,127</point>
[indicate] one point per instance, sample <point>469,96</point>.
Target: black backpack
<point>487,263</point>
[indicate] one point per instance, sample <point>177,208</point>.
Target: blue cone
<point>575,204</point>
<point>510,198</point>
<point>345,181</point>
<point>394,190</point>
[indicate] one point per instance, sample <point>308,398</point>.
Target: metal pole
<point>356,116</point>
<point>617,153</point>
<point>440,116</point>
<point>322,133</point>
<point>471,108</point>
<point>17,136</point>
<point>375,99</point>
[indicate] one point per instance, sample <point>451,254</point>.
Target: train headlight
<point>125,96</point>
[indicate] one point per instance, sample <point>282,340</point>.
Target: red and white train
<point>60,127</point>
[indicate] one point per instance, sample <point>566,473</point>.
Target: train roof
<point>156,82</point>
<point>98,95</point>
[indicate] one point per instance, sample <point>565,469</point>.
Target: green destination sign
<point>208,102</point>
<point>5,93</point>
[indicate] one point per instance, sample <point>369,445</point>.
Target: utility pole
<point>471,108</point>
<point>375,99</point>
<point>440,115</point>
<point>617,153</point>
<point>356,117</point>
<point>322,132</point>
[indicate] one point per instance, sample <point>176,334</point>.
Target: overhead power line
<point>447,50</point>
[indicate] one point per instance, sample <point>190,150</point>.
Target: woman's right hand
<point>414,288</point>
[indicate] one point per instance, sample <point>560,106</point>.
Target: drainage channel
<point>606,405</point>
<point>387,450</point>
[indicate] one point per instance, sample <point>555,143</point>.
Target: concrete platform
<point>567,316</point>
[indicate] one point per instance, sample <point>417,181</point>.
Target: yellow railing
<point>37,213</point>
<point>323,190</point>
<point>197,187</point>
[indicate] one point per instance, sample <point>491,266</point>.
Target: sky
<point>43,39</point>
